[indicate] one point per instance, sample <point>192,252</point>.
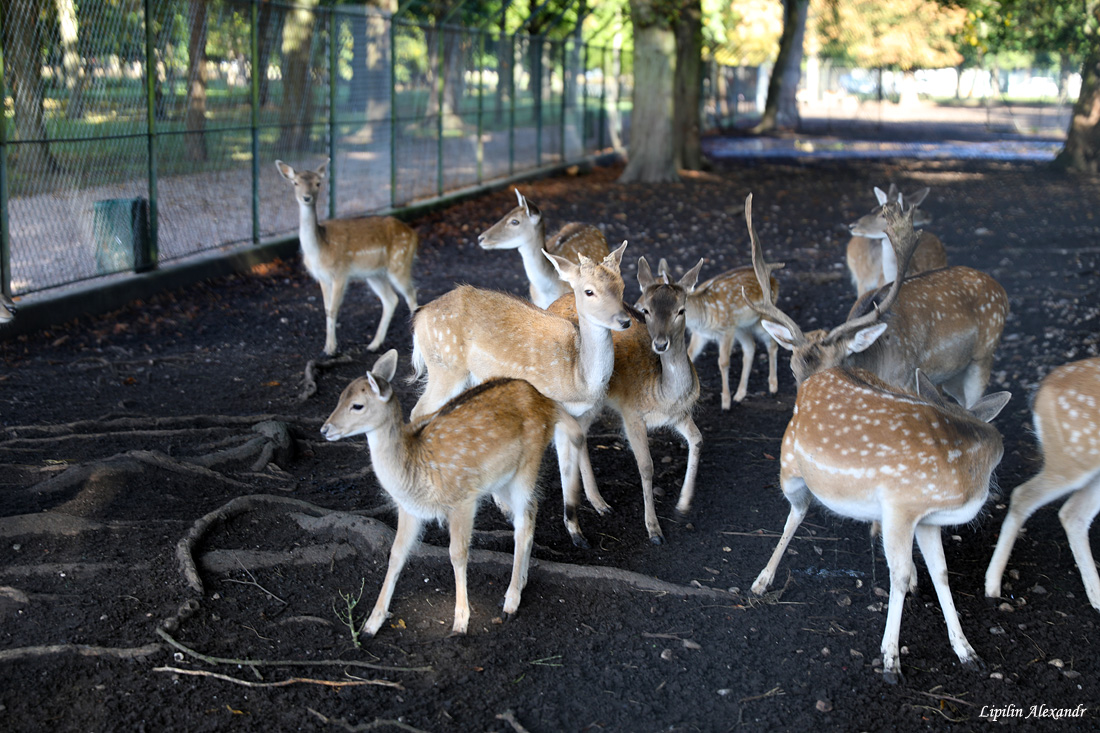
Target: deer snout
<point>660,345</point>
<point>481,240</point>
<point>329,432</point>
<point>624,322</point>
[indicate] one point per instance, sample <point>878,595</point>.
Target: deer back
<point>1066,416</point>
<point>576,239</point>
<point>719,304</point>
<point>368,244</point>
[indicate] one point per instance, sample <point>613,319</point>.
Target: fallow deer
<point>654,385</point>
<point>870,260</point>
<point>470,335</point>
<point>1067,423</point>
<point>523,228</point>
<point>912,462</point>
<point>718,311</point>
<point>487,441</point>
<point>7,309</point>
<point>946,322</point>
<point>377,249</point>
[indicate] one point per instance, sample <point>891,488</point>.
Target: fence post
<point>603,96</point>
<point>481,100</point>
<point>5,234</point>
<point>512,107</point>
<point>151,136</point>
<point>441,84</point>
<point>393,112</point>
<point>564,97</point>
<point>333,34</point>
<point>254,50</point>
<point>536,66</point>
<point>584,100</point>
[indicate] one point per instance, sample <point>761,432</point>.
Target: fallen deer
<point>1066,419</point>
<point>654,385</point>
<point>488,441</point>
<point>718,311</point>
<point>377,249</point>
<point>870,260</point>
<point>946,322</point>
<point>523,228</point>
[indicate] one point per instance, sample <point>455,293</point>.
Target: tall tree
<point>689,70</point>
<point>68,29</point>
<point>1082,149</point>
<point>653,153</point>
<point>195,118</point>
<point>781,109</point>
<point>296,111</point>
<point>23,43</point>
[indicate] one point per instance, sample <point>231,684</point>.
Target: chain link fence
<point>137,132</point>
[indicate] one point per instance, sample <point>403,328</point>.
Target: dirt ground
<point>127,443</point>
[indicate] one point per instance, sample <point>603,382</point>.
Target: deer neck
<point>542,275</point>
<point>678,378</point>
<point>309,231</point>
<point>596,358</point>
<point>889,261</point>
<point>390,455</point>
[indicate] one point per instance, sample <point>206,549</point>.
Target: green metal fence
<point>175,110</point>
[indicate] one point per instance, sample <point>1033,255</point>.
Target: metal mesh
<point>405,111</point>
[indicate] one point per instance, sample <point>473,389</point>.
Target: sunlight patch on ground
<point>730,148</point>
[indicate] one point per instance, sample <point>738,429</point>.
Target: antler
<point>763,270</point>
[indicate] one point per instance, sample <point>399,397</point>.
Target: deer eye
<point>356,408</point>
<point>589,293</point>
<point>645,311</point>
<point>514,222</point>
<point>680,312</point>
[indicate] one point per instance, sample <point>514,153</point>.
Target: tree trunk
<point>24,60</point>
<point>195,119</point>
<point>653,151</point>
<point>781,109</point>
<point>75,79</point>
<point>688,78</point>
<point>296,110</point>
<point>1082,149</point>
<point>267,32</point>
<point>370,69</point>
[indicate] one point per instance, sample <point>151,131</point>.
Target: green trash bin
<point>120,228</point>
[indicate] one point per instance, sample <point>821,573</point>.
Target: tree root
<point>84,650</point>
<point>280,683</point>
<point>363,727</point>
<point>129,424</point>
<point>313,368</point>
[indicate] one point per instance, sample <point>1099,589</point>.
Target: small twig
<point>509,717</point>
<point>376,723</point>
<point>949,698</point>
<point>280,683</point>
<point>252,581</point>
<point>773,692</point>
<point>347,616</point>
<point>775,536</point>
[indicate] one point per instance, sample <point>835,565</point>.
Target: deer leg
<point>931,547</point>
<point>1076,516</point>
<point>461,525</point>
<point>638,437</point>
<point>385,293</point>
<point>897,544</point>
<point>591,489</point>
<point>975,380</point>
<point>725,346</point>
<point>748,353</point>
<point>794,488</point>
<point>694,439</point>
<point>773,358</point>
<point>696,345</point>
<point>569,455</point>
<point>408,532</point>
<point>333,302</point>
<point>523,525</point>
<point>1026,499</point>
<point>404,285</point>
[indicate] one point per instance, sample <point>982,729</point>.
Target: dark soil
<point>99,488</point>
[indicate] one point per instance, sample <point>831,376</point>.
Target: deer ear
<point>927,391</point>
<point>645,274</point>
<point>383,393</point>
<point>616,257</point>
<point>321,169</point>
<point>863,338</point>
<point>284,170</point>
<point>566,270</point>
<point>691,277</point>
<point>990,406</point>
<point>662,266</point>
<point>916,199</point>
<point>386,366</point>
<point>781,334</point>
<point>881,195</point>
<point>522,201</point>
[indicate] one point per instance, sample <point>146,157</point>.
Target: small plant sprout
<point>346,615</point>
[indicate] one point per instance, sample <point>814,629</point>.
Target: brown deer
<point>378,249</point>
<point>523,228</point>
<point>946,322</point>
<point>870,257</point>
<point>487,441</point>
<point>1067,422</point>
<point>717,311</point>
<point>654,385</point>
<point>7,309</point>
<point>912,462</point>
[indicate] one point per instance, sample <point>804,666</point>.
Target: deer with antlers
<point>488,441</point>
<point>945,322</point>
<point>523,228</point>
<point>719,310</point>
<point>1066,417</point>
<point>653,385</point>
<point>870,260</point>
<point>377,249</point>
<point>912,462</point>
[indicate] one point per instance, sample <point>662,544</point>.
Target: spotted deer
<point>1066,416</point>
<point>946,322</point>
<point>377,249</point>
<point>718,311</point>
<point>523,228</point>
<point>488,441</point>
<point>471,335</point>
<point>7,309</point>
<point>653,386</point>
<point>870,257</point>
<point>912,462</point>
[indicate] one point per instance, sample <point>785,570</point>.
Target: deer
<point>946,322</point>
<point>653,385</point>
<point>718,311</point>
<point>869,260</point>
<point>377,249</point>
<point>1065,416</point>
<point>488,441</point>
<point>470,335</point>
<point>7,309</point>
<point>523,228</point>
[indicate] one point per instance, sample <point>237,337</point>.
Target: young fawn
<point>654,385</point>
<point>488,441</point>
<point>870,259</point>
<point>911,462</point>
<point>7,309</point>
<point>946,322</point>
<point>523,228</point>
<point>718,311</point>
<point>378,249</point>
<point>1066,418</point>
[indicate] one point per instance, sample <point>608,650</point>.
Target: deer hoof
<point>892,676</point>
<point>580,541</point>
<point>656,539</point>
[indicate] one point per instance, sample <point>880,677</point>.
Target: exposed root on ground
<point>280,683</point>
<point>314,367</point>
<point>84,650</point>
<point>362,727</point>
